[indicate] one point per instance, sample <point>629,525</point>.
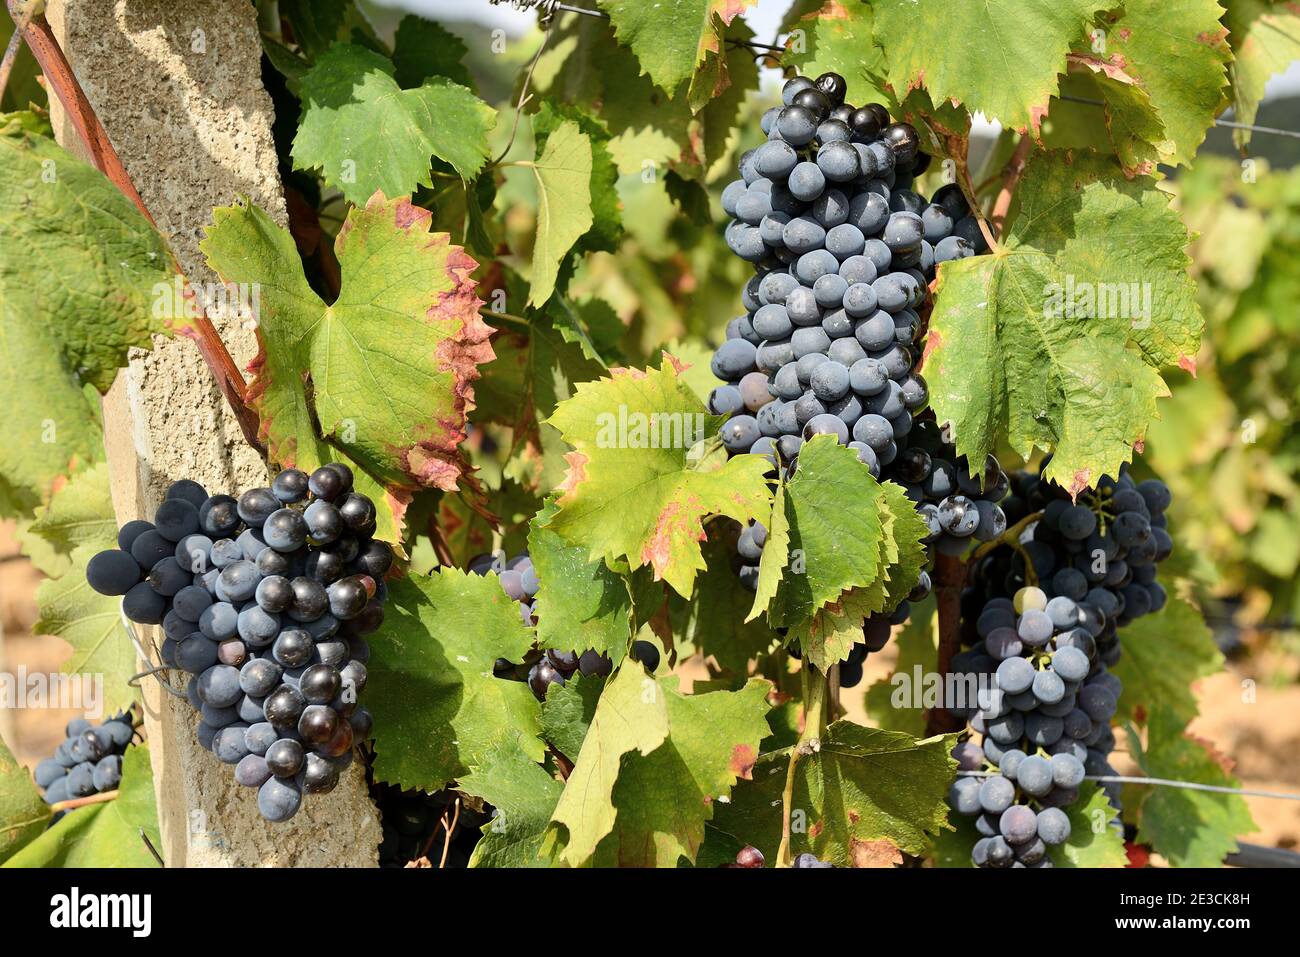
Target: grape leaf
<point>1189,828</point>
<point>606,208</point>
<point>584,64</point>
<point>1000,57</point>
<point>423,48</point>
<point>366,134</point>
<point>838,38</point>
<point>92,624</point>
<point>524,798</point>
<point>834,551</point>
<point>713,621</point>
<point>103,835</point>
<point>1265,39</point>
<point>917,646</point>
<point>438,709</point>
<point>1093,842</point>
<point>1177,53</point>
<point>567,713</point>
<point>23,812</point>
<point>581,604</point>
<point>1132,130</point>
<point>1006,359</point>
<point>563,173</point>
<point>386,371</point>
<point>79,267</point>
<point>862,787</point>
<point>653,767</point>
<point>1163,655</point>
<point>79,513</point>
<point>630,491</point>
<point>678,41</point>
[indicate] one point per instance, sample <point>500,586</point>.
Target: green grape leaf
<point>917,645</point>
<point>79,513</point>
<point>438,709</point>
<point>584,64</point>
<point>871,550</point>
<point>79,272</point>
<point>423,48</point>
<point>23,812</point>
<point>952,847</point>
<point>1000,57</point>
<point>1056,339</point>
<point>315,24</point>
<point>386,371</point>
<point>653,767</point>
<point>1189,828</point>
<point>678,41</point>
<point>776,555</point>
<point>92,624</point>
<point>582,604</point>
<point>630,491</point>
<point>838,38</point>
<point>104,835</point>
<point>713,621</point>
<point>1177,53</point>
<point>567,713</point>
<point>606,208</point>
<point>563,174</point>
<point>1164,654</point>
<point>1094,841</point>
<point>1265,40</point>
<point>366,134</point>
<point>862,792</point>
<point>524,797</point>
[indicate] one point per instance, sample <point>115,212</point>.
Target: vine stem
<point>949,579</point>
<point>1015,168</point>
<point>816,698</point>
<point>40,39</point>
<point>101,798</point>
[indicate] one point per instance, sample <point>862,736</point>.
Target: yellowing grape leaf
<point>79,267</point>
<point>563,173</point>
<point>1265,39</point>
<point>385,373</point>
<point>864,790</point>
<point>653,767</point>
<point>79,513</point>
<point>1056,339</point>
<point>438,708</point>
<point>523,797</point>
<point>366,134</point>
<point>630,491</point>
<point>1000,57</point>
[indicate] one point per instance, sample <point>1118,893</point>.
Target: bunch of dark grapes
<point>844,249</point>
<point>541,669</point>
<point>88,761</point>
<point>751,857</point>
<point>265,601</point>
<point>1045,614</point>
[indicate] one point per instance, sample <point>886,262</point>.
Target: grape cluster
<point>265,601</point>
<point>88,761</point>
<point>1045,614</point>
<point>843,249</point>
<point>540,669</point>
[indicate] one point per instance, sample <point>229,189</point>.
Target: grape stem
<point>59,75</point>
<point>1015,168</point>
<point>949,579</point>
<point>1010,537</point>
<point>816,688</point>
<point>72,803</point>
